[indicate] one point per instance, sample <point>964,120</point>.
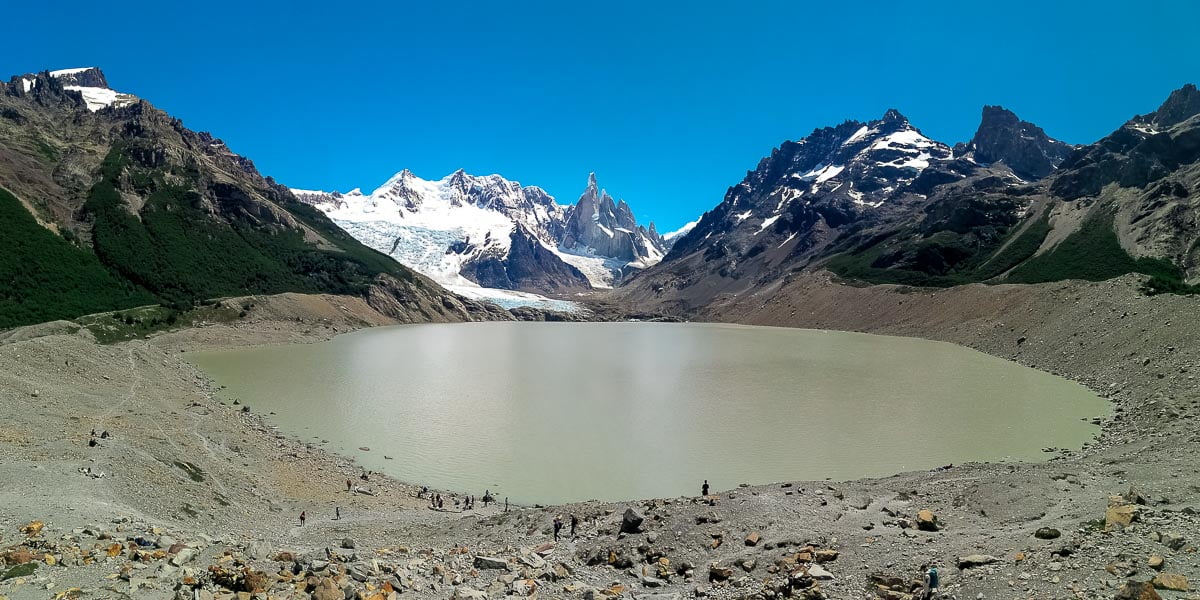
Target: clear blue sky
<point>668,102</point>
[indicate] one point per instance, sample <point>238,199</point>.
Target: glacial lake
<point>560,412</point>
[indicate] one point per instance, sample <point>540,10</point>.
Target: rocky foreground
<point>190,498</point>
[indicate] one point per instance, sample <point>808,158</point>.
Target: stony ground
<point>189,498</point>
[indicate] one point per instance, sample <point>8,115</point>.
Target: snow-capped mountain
<point>89,82</point>
<point>881,187</point>
<point>486,231</point>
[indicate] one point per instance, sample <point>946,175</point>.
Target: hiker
<point>931,582</point>
<point>93,432</point>
<point>424,490</point>
<point>558,523</point>
<point>104,436</point>
<point>337,513</point>
<point>348,484</point>
<point>506,504</point>
<point>364,476</point>
<point>574,524</point>
<point>704,488</point>
<point>302,518</point>
<point>92,443</point>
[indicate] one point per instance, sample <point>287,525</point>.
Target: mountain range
<point>469,231</point>
<point>108,203</point>
<point>879,202</point>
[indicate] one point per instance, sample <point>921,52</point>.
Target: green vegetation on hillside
<point>43,277</point>
<point>142,321</point>
<point>970,264</point>
<point>182,253</point>
<point>1092,253</point>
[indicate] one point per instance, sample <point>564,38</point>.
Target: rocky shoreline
<point>201,500</point>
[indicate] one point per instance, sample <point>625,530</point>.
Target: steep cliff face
<point>170,214</point>
<point>1004,138</point>
<point>597,225</point>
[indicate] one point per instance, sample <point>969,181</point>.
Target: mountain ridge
<point>460,230</point>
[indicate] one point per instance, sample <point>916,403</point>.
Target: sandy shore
<point>177,464</point>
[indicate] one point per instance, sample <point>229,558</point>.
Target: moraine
<point>559,412</point>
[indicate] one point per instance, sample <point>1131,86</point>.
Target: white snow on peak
<point>769,221</point>
<point>861,133</point>
<point>682,231</point>
<point>906,139</point>
<point>743,216</point>
<point>97,98</point>
<point>822,173</point>
<point>65,72</point>
<point>28,84</point>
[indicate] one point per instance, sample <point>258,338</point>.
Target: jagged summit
<point>1004,138</point>
<point>470,230</point>
<point>1181,105</point>
<point>88,83</point>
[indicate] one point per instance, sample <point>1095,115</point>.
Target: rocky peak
<point>83,77</point>
<point>1181,105</point>
<point>1025,148</point>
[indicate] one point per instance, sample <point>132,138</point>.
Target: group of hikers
<point>94,440</point>
<point>558,525</point>
<point>930,577</point>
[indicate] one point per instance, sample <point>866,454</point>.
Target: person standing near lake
<point>574,524</point>
<point>558,524</point>
<point>302,518</point>
<point>704,488</point>
<point>337,513</point>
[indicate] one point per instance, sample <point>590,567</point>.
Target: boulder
<point>753,539</point>
<point>631,521</point>
<point>824,556</point>
<point>1170,581</point>
<point>1173,541</point>
<point>183,557</point>
<point>818,572</point>
<point>976,560</point>
<point>490,562</point>
<point>1047,533</point>
<point>1120,515</point>
<point>719,573</point>
<point>1137,590</point>
<point>258,549</point>
<point>327,590</point>
<point>927,521</point>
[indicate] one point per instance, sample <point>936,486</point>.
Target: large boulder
<point>1120,514</point>
<point>927,521</point>
<point>1171,581</point>
<point>1137,590</point>
<point>631,521</point>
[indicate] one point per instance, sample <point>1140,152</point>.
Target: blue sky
<point>668,102</point>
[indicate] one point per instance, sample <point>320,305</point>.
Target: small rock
<point>976,560</point>
<point>1156,562</point>
<point>753,539</point>
<point>1137,590</point>
<point>490,562</point>
<point>1047,533</point>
